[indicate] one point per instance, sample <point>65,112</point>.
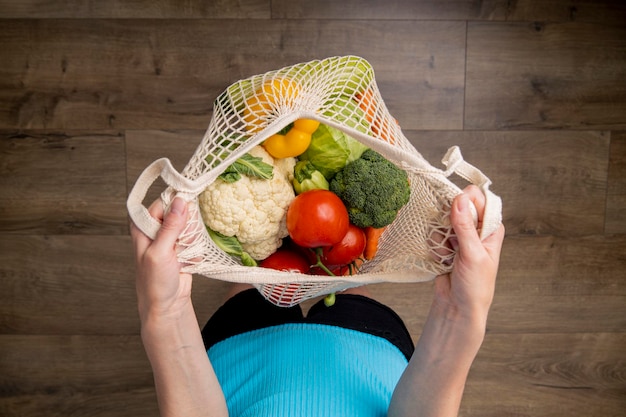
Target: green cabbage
<point>331,149</point>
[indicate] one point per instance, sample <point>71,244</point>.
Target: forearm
<point>185,382</point>
<point>434,381</point>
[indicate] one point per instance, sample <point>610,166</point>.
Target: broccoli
<point>372,188</point>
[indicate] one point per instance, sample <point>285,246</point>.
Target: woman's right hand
<point>434,381</point>
<point>467,291</point>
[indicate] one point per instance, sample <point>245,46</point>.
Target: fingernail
<point>178,206</point>
<point>462,204</point>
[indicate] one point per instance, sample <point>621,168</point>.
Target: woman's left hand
<point>161,287</point>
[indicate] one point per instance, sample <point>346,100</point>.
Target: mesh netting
<point>340,92</point>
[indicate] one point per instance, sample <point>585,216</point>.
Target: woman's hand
<point>162,289</point>
<point>185,381</point>
<point>467,292</point>
<point>433,383</point>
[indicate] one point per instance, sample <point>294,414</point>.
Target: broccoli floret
<point>372,188</point>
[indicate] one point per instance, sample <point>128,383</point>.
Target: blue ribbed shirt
<point>307,370</point>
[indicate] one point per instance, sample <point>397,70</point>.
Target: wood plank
<point>136,403</point>
<point>77,285</point>
<point>164,9</point>
<point>548,284</point>
<point>75,375</point>
<point>545,284</point>
<point>606,11</point>
<point>616,188</point>
<point>67,285</point>
<point>394,9</point>
<point>552,75</point>
<point>145,146</point>
<point>165,74</point>
<point>63,183</point>
<point>589,11</point>
<point>549,375</point>
<point>550,182</point>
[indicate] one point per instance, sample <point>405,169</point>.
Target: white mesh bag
<point>340,92</point>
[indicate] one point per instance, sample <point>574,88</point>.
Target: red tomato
<point>317,218</point>
<point>338,270</point>
<point>346,251</point>
<point>286,260</point>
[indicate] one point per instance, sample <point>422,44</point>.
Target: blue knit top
<point>307,370</point>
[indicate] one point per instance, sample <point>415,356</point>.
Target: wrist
<point>152,311</point>
<point>461,331</point>
<point>160,320</point>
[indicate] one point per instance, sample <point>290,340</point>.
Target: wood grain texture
<point>532,91</point>
<point>548,375</point>
<point>616,187</point>
<point>490,10</point>
<point>144,9</point>
<point>63,183</point>
<point>494,10</point>
<point>77,284</point>
<point>588,11</point>
<point>551,182</point>
<point>560,285</point>
<point>394,9</point>
<point>92,376</point>
<point>154,74</point>
<point>67,285</point>
<point>545,75</point>
<point>145,146</point>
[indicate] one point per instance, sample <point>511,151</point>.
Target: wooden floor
<point>533,91</point>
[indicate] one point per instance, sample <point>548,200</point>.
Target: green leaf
<point>231,246</point>
<point>248,165</point>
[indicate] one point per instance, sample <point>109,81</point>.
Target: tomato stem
<point>318,254</point>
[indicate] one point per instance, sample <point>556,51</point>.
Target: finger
<point>477,197</point>
<point>140,240</point>
<point>174,223</point>
<point>156,209</point>
<point>493,243</point>
<point>463,225</point>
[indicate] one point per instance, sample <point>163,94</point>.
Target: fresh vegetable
<point>331,149</point>
<point>373,190</point>
<point>294,142</point>
<point>372,238</point>
<point>263,103</point>
<point>337,271</point>
<point>379,125</point>
<point>317,218</point>
<point>330,300</point>
<point>249,165</point>
<point>231,246</point>
<point>252,209</point>
<point>345,252</point>
<point>347,112</point>
<point>286,260</point>
<point>306,178</point>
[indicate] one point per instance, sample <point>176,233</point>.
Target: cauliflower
<point>252,209</point>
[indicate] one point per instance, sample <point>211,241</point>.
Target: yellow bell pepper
<point>294,142</point>
<point>260,105</point>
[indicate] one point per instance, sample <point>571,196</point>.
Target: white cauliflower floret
<point>252,209</point>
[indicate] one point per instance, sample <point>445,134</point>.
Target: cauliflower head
<point>252,209</point>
